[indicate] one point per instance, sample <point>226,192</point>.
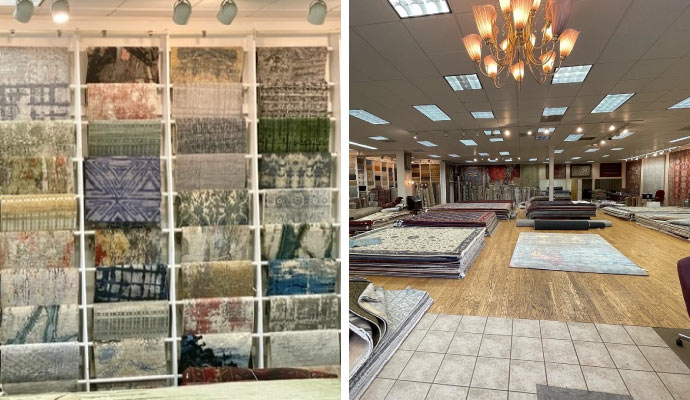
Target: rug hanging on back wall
<point>206,64</point>
<point>653,174</point>
<point>679,177</point>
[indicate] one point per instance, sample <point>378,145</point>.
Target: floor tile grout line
<point>618,369</point>
<point>654,369</point>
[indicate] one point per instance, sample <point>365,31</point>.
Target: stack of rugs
<point>631,213</point>
<point>377,220</point>
<point>674,224</point>
<point>380,320</point>
<point>416,251</point>
<point>560,209</point>
<point>468,219</point>
<point>503,209</point>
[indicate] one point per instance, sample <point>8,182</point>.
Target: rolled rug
<point>201,375</point>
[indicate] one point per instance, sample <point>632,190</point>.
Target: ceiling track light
<point>182,10</point>
<point>227,12</point>
<point>60,11</point>
<point>317,12</point>
<point>23,11</point>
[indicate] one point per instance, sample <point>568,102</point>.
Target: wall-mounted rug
<point>123,101</point>
<point>32,175</point>
<point>653,170</point>
<point>678,177</point>
<point>206,64</point>
<point>130,357</point>
<point>289,241</point>
<point>35,101</point>
<point>213,207</point>
<point>216,350</point>
<point>302,276</point>
<point>303,313</point>
<point>38,286</point>
<point>210,135</point>
<point>291,64</point>
<point>39,368</point>
<point>218,315</point>
<point>38,212</point>
<point>127,246</point>
<point>122,190</point>
<point>39,324</point>
<point>195,100</point>
<point>216,243</point>
<point>303,349</point>
<point>38,65</point>
<point>296,99</point>
<point>571,252</point>
<point>135,319</point>
<point>39,249</point>
<point>293,135</point>
<point>295,170</point>
<point>36,138</point>
<point>124,138</point>
<point>216,279</point>
<point>131,283</point>
<point>288,206</point>
<point>122,64</point>
<point>210,171</point>
<point>194,375</point>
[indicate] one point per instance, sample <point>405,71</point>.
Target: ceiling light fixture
<point>679,139</point>
<point>464,82</point>
<point>380,138</point>
<point>419,8</point>
<point>611,102</point>
<point>603,142</point>
<point>317,12</point>
<point>475,160</point>
<point>468,142</point>
<point>681,104</point>
<point>575,74</point>
<point>227,12</point>
<point>364,145</point>
<point>182,10</point>
<point>427,143</point>
<point>529,133</point>
<point>549,111</point>
<point>506,132</point>
<point>579,129</point>
<point>612,128</point>
<point>368,117</point>
<point>482,114</point>
<point>60,11</point>
<point>432,112</point>
<point>558,151</point>
<point>454,155</point>
<point>496,139</point>
<point>519,49</point>
<point>24,10</point>
<point>573,137</point>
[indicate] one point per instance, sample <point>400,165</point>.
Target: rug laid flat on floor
<point>216,350</point>
<point>29,138</point>
<point>216,279</point>
<point>122,65</point>
<point>294,135</point>
<point>135,319</point>
<point>210,135</point>
<point>295,170</point>
<point>38,286</point>
<point>129,357</point>
<point>480,219</point>
<point>216,243</point>
<point>123,101</point>
<point>213,207</point>
<point>210,171</point>
<point>206,64</point>
<point>287,206</point>
<point>37,174</point>
<point>38,212</point>
<point>127,246</point>
<point>37,368</point>
<point>194,100</point>
<point>303,348</point>
<point>301,313</point>
<point>291,64</point>
<point>39,324</point>
<point>218,315</point>
<point>38,249</point>
<point>290,241</point>
<point>195,375</point>
<point>302,276</point>
<point>124,138</point>
<point>571,252</point>
<point>131,283</point>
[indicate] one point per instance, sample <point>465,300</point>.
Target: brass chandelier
<point>519,47</point>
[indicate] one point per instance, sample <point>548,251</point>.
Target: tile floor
<point>480,358</point>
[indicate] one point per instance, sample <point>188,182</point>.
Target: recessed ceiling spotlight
<point>612,128</point>
<point>475,160</point>
<point>603,142</point>
<point>227,12</point>
<point>579,129</point>
<point>529,133</point>
<point>507,132</point>
<point>317,12</point>
<point>182,10</point>
<point>24,10</point>
<point>415,136</point>
<point>60,11</point>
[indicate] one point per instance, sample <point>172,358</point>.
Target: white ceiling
<point>640,46</point>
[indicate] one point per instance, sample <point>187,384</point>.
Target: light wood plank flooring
<point>492,288</point>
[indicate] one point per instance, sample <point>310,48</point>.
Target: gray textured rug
<point>556,393</point>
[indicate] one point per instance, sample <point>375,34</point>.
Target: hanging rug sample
<point>131,283</point>
<point>124,138</point>
<point>122,190</point>
<point>303,313</point>
<point>122,64</point>
<point>194,100</point>
<point>130,357</point>
<point>35,65</point>
<point>218,315</point>
<point>302,276</point>
<point>136,245</point>
<point>131,320</point>
<point>123,101</point>
<point>291,64</point>
<point>210,135</point>
<point>216,243</point>
<point>213,207</point>
<point>37,138</point>
<point>38,174</point>
<point>206,64</point>
<point>38,286</point>
<point>216,350</point>
<point>195,375</point>
<point>571,252</point>
<point>294,135</point>
<point>216,279</point>
<point>295,170</point>
<point>287,206</point>
<point>295,99</point>
<point>210,171</point>
<point>39,249</point>
<point>290,241</point>
<point>303,348</point>
<point>36,368</point>
<point>38,212</point>
<point>39,324</point>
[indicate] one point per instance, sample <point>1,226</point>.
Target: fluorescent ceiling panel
<point>508,159</point>
<point>546,130</point>
<point>432,112</point>
<point>533,159</point>
<point>620,148</point>
<point>427,143</point>
<point>548,111</point>
<point>590,161</point>
<point>487,132</point>
<point>468,142</point>
<point>574,74</point>
<point>434,156</point>
<point>464,82</point>
<point>469,161</point>
<point>493,159</point>
<point>605,155</point>
<point>611,102</point>
<point>558,151</point>
<point>679,139</point>
<point>368,117</point>
<point>504,153</point>
<point>576,158</point>
<point>681,104</point>
<point>483,154</point>
<point>454,155</point>
<point>496,139</point>
<point>379,138</point>
<point>364,145</point>
<point>591,150</point>
<point>483,114</point>
<point>573,137</point>
<point>622,135</point>
<point>419,8</point>
<point>542,137</point>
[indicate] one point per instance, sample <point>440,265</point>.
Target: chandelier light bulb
<point>567,42</point>
<point>535,5</point>
<point>504,45</point>
<point>473,45</point>
<point>505,6</point>
<point>548,33</point>
<point>532,39</point>
<point>518,71</point>
<point>560,12</point>
<point>547,59</point>
<point>520,9</point>
<point>485,18</point>
<point>491,66</point>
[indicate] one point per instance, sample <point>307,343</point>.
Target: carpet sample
<point>37,138</point>
<point>33,175</point>
<point>213,207</point>
<point>653,174</point>
<point>123,101</point>
<point>302,276</point>
<point>213,100</point>
<point>559,393</point>
<point>39,249</point>
<point>124,138</point>
<point>210,135</point>
<point>196,376</point>
<point>288,206</point>
<point>571,252</point>
<point>127,246</point>
<point>299,241</point>
<point>678,177</point>
<point>130,357</point>
<point>34,101</point>
<point>131,283</point>
<point>303,313</point>
<point>295,170</point>
<point>131,320</point>
<point>296,99</point>
<point>216,279</point>
<point>293,135</point>
<point>210,171</point>
<point>38,286</point>
<point>303,349</point>
<point>36,368</point>
<point>122,190</point>
<point>206,64</point>
<point>216,243</point>
<point>38,65</point>
<point>39,324</point>
<point>216,350</point>
<point>633,176</point>
<point>218,315</point>
<point>38,212</point>
<point>122,64</point>
<point>291,64</point>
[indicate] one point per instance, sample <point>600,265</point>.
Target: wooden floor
<point>491,288</point>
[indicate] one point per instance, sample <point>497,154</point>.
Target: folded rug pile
<point>503,208</point>
<point>677,225</point>
<point>479,219</point>
<point>377,220</point>
<point>630,213</point>
<point>560,209</point>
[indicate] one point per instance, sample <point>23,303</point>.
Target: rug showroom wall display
<point>206,235</point>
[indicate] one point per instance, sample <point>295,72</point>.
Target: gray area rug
<point>556,393</point>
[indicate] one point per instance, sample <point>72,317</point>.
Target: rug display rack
<point>380,320</point>
<point>136,286</point>
<point>676,225</point>
<point>504,209</point>
<point>486,220</point>
<point>560,209</point>
<point>629,213</point>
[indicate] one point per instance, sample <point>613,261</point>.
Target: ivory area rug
<point>36,65</point>
<point>213,207</point>
<point>206,64</point>
<point>571,252</point>
<point>303,348</point>
<point>32,175</point>
<point>303,313</point>
<point>210,171</point>
<point>38,212</point>
<point>218,315</point>
<point>36,138</point>
<point>216,243</point>
<point>289,241</point>
<point>127,246</point>
<point>295,99</point>
<point>39,249</point>
<point>287,206</point>
<point>131,283</point>
<point>131,320</point>
<point>216,350</point>
<point>302,276</point>
<point>130,357</point>
<point>216,279</point>
<point>38,286</point>
<point>123,101</point>
<point>295,170</point>
<point>294,135</point>
<point>210,135</point>
<point>124,138</point>
<point>39,324</point>
<point>122,65</point>
<point>291,64</point>
<point>39,368</point>
<point>195,100</point>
